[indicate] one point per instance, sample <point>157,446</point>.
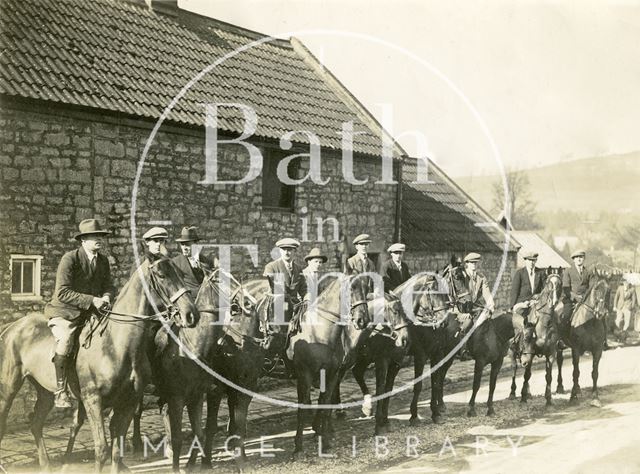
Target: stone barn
<point>90,89</point>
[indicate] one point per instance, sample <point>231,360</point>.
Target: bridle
<point>166,317</point>
<point>381,329</point>
<point>598,308</point>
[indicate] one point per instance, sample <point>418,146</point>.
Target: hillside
<point>588,185</point>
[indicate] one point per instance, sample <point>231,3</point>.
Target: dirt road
<point>519,438</point>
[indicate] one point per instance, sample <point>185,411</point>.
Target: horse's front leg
<point>137,437</point>
<point>514,366</point>
<point>575,390</point>
<point>493,378</point>
<point>419,359</point>
<point>595,399</point>
<point>120,420</point>
<point>559,360</point>
<point>194,410</point>
<point>382,368</point>
<point>392,372</point>
<point>304,398</point>
<point>242,408</point>
<point>525,394</point>
<point>437,386</point>
<point>175,405</point>
<point>214,397</point>
<point>79,418</point>
<point>93,406</point>
<point>548,378</point>
<point>477,378</point>
<point>358,372</point>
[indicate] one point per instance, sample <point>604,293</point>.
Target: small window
<point>275,194</point>
<point>25,277</point>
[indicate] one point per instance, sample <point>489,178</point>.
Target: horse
<point>386,347</point>
<point>589,336</point>
<point>112,365</point>
<point>434,335</point>
<point>488,344</point>
<point>240,360</point>
<point>541,336</point>
<point>330,331</point>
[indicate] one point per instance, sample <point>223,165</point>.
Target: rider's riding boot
<point>62,398</point>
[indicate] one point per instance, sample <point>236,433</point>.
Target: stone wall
<point>64,166</point>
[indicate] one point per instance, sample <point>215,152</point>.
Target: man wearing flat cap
<point>315,259</point>
<point>83,285</point>
<point>394,271</point>
<point>154,246</point>
<point>192,266</point>
<point>295,285</point>
<point>476,284</point>
<point>575,283</point>
<point>526,285</point>
<point>360,262</point>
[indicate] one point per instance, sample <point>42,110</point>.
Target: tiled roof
<point>120,56</point>
<point>437,217</point>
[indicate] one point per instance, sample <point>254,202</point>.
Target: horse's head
<point>553,285</point>
<point>597,297</point>
<point>169,292</point>
<point>396,319</point>
<point>358,304</point>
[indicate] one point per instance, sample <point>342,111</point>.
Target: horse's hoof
<point>523,400</point>
<point>573,400</point>
<point>442,407</point>
<point>437,419</point>
<point>298,455</point>
<point>341,414</point>
<point>560,390</point>
<point>512,396</point>
<point>595,403</point>
<point>381,429</point>
<point>415,421</point>
<point>471,412</point>
<point>549,403</point>
<point>206,463</point>
<point>367,406</point>
<point>491,412</point>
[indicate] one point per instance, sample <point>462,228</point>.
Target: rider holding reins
<point>83,285</point>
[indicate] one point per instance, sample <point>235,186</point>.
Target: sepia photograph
<point>330,236</point>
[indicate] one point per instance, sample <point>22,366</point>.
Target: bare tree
<point>515,201</point>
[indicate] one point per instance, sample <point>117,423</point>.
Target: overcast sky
<point>551,80</point>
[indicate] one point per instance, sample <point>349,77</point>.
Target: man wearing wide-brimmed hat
<point>192,265</point>
<point>525,286</point>
<point>394,271</point>
<point>83,285</point>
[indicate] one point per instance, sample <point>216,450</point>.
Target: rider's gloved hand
<point>101,303</point>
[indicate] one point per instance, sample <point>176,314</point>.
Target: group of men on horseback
<point>84,284</point>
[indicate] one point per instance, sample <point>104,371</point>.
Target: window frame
<point>36,294</point>
<point>270,155</point>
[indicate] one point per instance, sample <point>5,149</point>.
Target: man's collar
<point>89,255</point>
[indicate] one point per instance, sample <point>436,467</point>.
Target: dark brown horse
<point>240,361</point>
<point>331,328</point>
<point>488,343</point>
<point>434,337</point>
<point>588,335</point>
<point>541,335</point>
<point>386,347</point>
<point>112,365</point>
